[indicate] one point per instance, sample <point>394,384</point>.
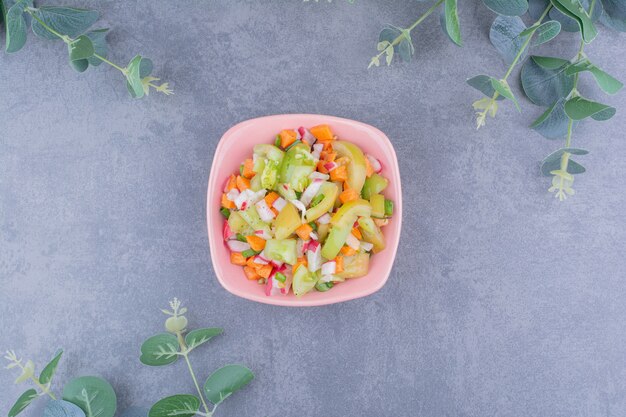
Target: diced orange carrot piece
<point>227,203</point>
<point>304,231</point>
<point>232,183</point>
<point>321,168</point>
<point>368,168</point>
<point>276,212</point>
<point>242,183</point>
<point>256,243</point>
<point>237,258</point>
<point>357,233</point>
<point>251,264</point>
<point>299,262</point>
<point>265,270</point>
<point>287,137</point>
<point>328,146</point>
<point>347,251</point>
<point>322,132</point>
<point>270,198</point>
<point>251,273</point>
<point>348,195</point>
<point>248,169</point>
<point>344,160</point>
<point>339,264</point>
<point>339,173</point>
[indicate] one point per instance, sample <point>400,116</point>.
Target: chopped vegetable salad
<point>305,212</point>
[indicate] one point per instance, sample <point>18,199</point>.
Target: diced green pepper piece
<point>357,167</point>
<point>388,208</point>
<point>342,223</point>
<point>280,277</point>
<point>249,252</point>
<point>281,250</point>
<point>277,141</point>
<point>316,200</point>
<point>378,205</point>
<point>374,185</point>
<point>313,226</point>
<point>329,191</point>
<point>323,286</point>
<point>241,237</point>
<point>225,212</point>
<point>372,233</point>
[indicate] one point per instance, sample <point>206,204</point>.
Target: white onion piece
<point>319,175</point>
<point>311,191</point>
<point>265,213</point>
<point>353,242</point>
<point>375,163</point>
<point>232,194</point>
<point>279,204</point>
<point>298,204</point>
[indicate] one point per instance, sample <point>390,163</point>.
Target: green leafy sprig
<point>85,47</point>
<point>549,82</point>
<point>166,348</point>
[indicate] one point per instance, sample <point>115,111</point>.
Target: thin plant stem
<point>184,353</point>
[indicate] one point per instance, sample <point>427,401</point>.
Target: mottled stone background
<point>502,301</point>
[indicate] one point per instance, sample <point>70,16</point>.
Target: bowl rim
<point>301,302</point>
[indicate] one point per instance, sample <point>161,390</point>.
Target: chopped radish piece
<point>317,151</point>
<point>313,236</point>
<point>314,255</point>
<point>232,194</point>
<point>327,278</point>
<point>258,260</point>
<point>279,204</point>
<point>288,281</point>
<point>353,242</point>
<point>375,163</point>
<point>237,246</point>
<point>301,246</point>
<point>263,256</point>
<point>265,213</point>
<point>277,264</point>
<point>330,166</point>
<point>367,246</point>
<point>306,136</point>
<point>311,191</point>
<point>248,197</point>
<point>329,268</point>
<point>319,175</point>
<point>325,219</point>
<point>227,232</point>
<point>263,234</point>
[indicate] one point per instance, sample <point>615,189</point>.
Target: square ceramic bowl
<point>236,145</point>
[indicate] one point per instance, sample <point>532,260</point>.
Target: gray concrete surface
<point>502,301</point>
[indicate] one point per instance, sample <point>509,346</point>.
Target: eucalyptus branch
<point>184,351</point>
<point>27,373</point>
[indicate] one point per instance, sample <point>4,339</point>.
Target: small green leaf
<point>507,7</point>
<point>502,87</point>
<point>483,84</point>
<point>159,350</point>
<point>15,26</point>
<point>80,48</point>
<point>225,381</point>
<point>505,36</point>
<point>552,162</point>
<point>199,336</point>
<point>92,394</point>
<point>182,405</point>
<point>450,21</point>
<point>552,124</point>
<point>65,20</point>
<point>60,408</point>
<point>48,371</point>
<point>544,79</point>
<point>404,48</point>
<point>98,39</point>
<point>606,82</point>
<point>578,108</point>
<point>22,402</point>
<point>133,76</point>
<point>80,65</point>
<point>544,32</point>
<point>575,10</point>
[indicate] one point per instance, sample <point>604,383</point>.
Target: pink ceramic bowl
<point>236,145</point>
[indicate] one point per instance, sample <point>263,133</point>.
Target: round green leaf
<point>145,67</point>
<point>574,10</point>
<point>199,336</point>
<point>505,37</point>
<point>483,84</point>
<point>225,381</point>
<point>98,39</point>
<point>552,124</point>
<point>404,48</point>
<point>543,86</point>
<point>80,48</point>
<point>502,87</point>
<point>60,408</point>
<point>183,405</point>
<point>553,162</point>
<point>50,368</point>
<point>80,65</point>
<point>93,395</point>
<point>133,76</point>
<point>22,402</point>
<point>65,20</point>
<point>159,350</point>
<point>507,7</point>
<point>546,32</point>
<point>15,26</point>
<point>578,108</point>
<point>606,82</point>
